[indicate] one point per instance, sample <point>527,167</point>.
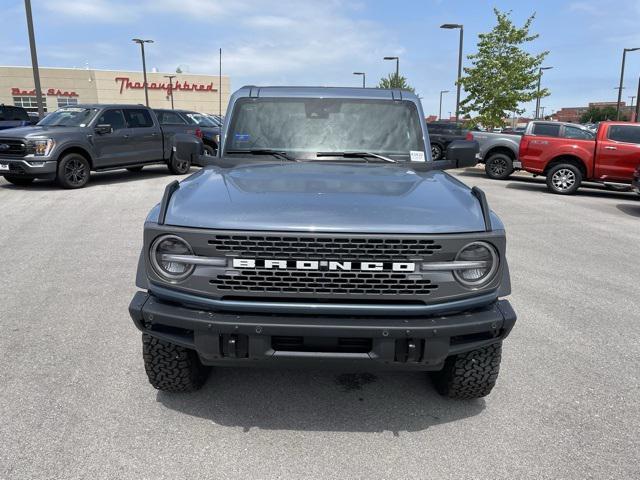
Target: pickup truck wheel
<point>20,181</point>
<point>73,171</point>
<point>170,367</point>
<point>134,169</point>
<point>436,151</point>
<point>564,179</point>
<point>179,167</point>
<point>209,151</point>
<point>498,166</point>
<point>471,374</point>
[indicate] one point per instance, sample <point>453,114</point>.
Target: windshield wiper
<point>265,151</point>
<point>355,155</point>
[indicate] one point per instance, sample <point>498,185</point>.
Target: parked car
<point>498,152</point>
<point>193,123</point>
<point>12,117</point>
<point>324,234</point>
<point>441,134</point>
<point>72,141</point>
<point>568,154</point>
<point>635,183</point>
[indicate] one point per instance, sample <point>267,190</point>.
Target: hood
<point>325,197</point>
<point>38,131</point>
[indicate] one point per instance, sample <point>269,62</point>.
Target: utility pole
<point>144,67</point>
<point>34,58</point>
<point>451,26</point>
<point>170,77</point>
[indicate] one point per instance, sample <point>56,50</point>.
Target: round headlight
<point>485,256</point>
<point>161,251</point>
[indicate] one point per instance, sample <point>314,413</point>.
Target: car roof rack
<point>484,206</point>
<point>166,198</point>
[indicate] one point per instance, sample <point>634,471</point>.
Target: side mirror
<point>103,128</point>
<point>462,153</point>
<point>188,148</point>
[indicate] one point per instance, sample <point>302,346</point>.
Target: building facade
<point>71,86</point>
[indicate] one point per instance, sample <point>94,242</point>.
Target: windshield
<point>306,126</point>
<point>69,117</point>
<point>201,120</point>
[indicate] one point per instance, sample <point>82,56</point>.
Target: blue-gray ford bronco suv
<point>325,234</point>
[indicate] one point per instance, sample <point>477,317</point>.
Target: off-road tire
<point>135,169</point>
<point>170,367</point>
<point>471,374</point>
<point>437,152</point>
<point>179,167</point>
<point>73,171</point>
<point>498,166</point>
<point>19,181</point>
<point>573,177</point>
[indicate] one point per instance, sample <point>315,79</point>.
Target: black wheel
<point>436,151</point>
<point>135,169</point>
<point>564,179</point>
<point>498,166</point>
<point>20,181</point>
<point>170,367</point>
<point>469,375</point>
<point>209,151</point>
<point>73,171</point>
<point>179,167</point>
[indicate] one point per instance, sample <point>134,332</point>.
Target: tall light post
<point>171,77</point>
<point>624,59</point>
<point>637,103</point>
<point>144,66</point>
<point>632,97</point>
<point>452,26</point>
<point>440,109</point>
<point>364,78</point>
<point>538,96</point>
<point>397,59</point>
<point>34,58</point>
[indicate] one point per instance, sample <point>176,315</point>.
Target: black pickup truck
<point>441,134</point>
<point>73,141</point>
<point>12,117</point>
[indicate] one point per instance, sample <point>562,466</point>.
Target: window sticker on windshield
<point>241,137</point>
<point>416,156</point>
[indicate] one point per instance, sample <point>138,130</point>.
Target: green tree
<point>598,114</point>
<point>502,74</point>
<point>395,81</point>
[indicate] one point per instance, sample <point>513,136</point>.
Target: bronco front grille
<point>319,248</point>
<point>15,147</point>
<point>323,283</point>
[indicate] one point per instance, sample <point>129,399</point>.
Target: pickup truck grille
<point>16,148</point>
<point>323,283</point>
<point>321,248</point>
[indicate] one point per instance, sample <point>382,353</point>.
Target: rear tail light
<point>198,133</point>
<point>469,136</point>
<point>524,144</point>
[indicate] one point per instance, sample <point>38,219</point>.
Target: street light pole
<point>170,77</point>
<point>144,67</point>
<point>638,102</point>
<point>624,59</point>
<point>440,109</point>
<point>34,58</point>
<point>364,77</point>
<point>451,26</point>
<point>397,59</point>
<point>538,95</point>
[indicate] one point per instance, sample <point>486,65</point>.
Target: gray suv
<point>324,234</point>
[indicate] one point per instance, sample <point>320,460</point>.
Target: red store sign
<point>127,84</point>
<point>54,92</point>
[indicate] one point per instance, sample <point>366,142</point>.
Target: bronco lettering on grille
<point>324,265</point>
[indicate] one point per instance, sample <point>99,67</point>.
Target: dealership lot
<point>75,401</point>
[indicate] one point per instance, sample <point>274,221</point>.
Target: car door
<point>144,137</point>
<point>618,154</point>
<point>111,148</point>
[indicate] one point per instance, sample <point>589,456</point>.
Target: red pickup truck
<point>568,154</point>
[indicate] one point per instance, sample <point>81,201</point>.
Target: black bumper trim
<point>203,331</point>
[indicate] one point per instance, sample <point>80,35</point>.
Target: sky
<point>322,42</point>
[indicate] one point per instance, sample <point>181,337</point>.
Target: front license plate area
<point>4,167</point>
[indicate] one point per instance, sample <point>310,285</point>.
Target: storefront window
<point>66,101</point>
<point>30,104</point>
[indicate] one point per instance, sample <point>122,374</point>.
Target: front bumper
<point>33,168</point>
<point>410,343</point>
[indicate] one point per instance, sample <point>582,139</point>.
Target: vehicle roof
<point>320,92</point>
<point>106,105</point>
<point>179,110</point>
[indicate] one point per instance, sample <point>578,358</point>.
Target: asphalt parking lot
<point>75,402</point>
